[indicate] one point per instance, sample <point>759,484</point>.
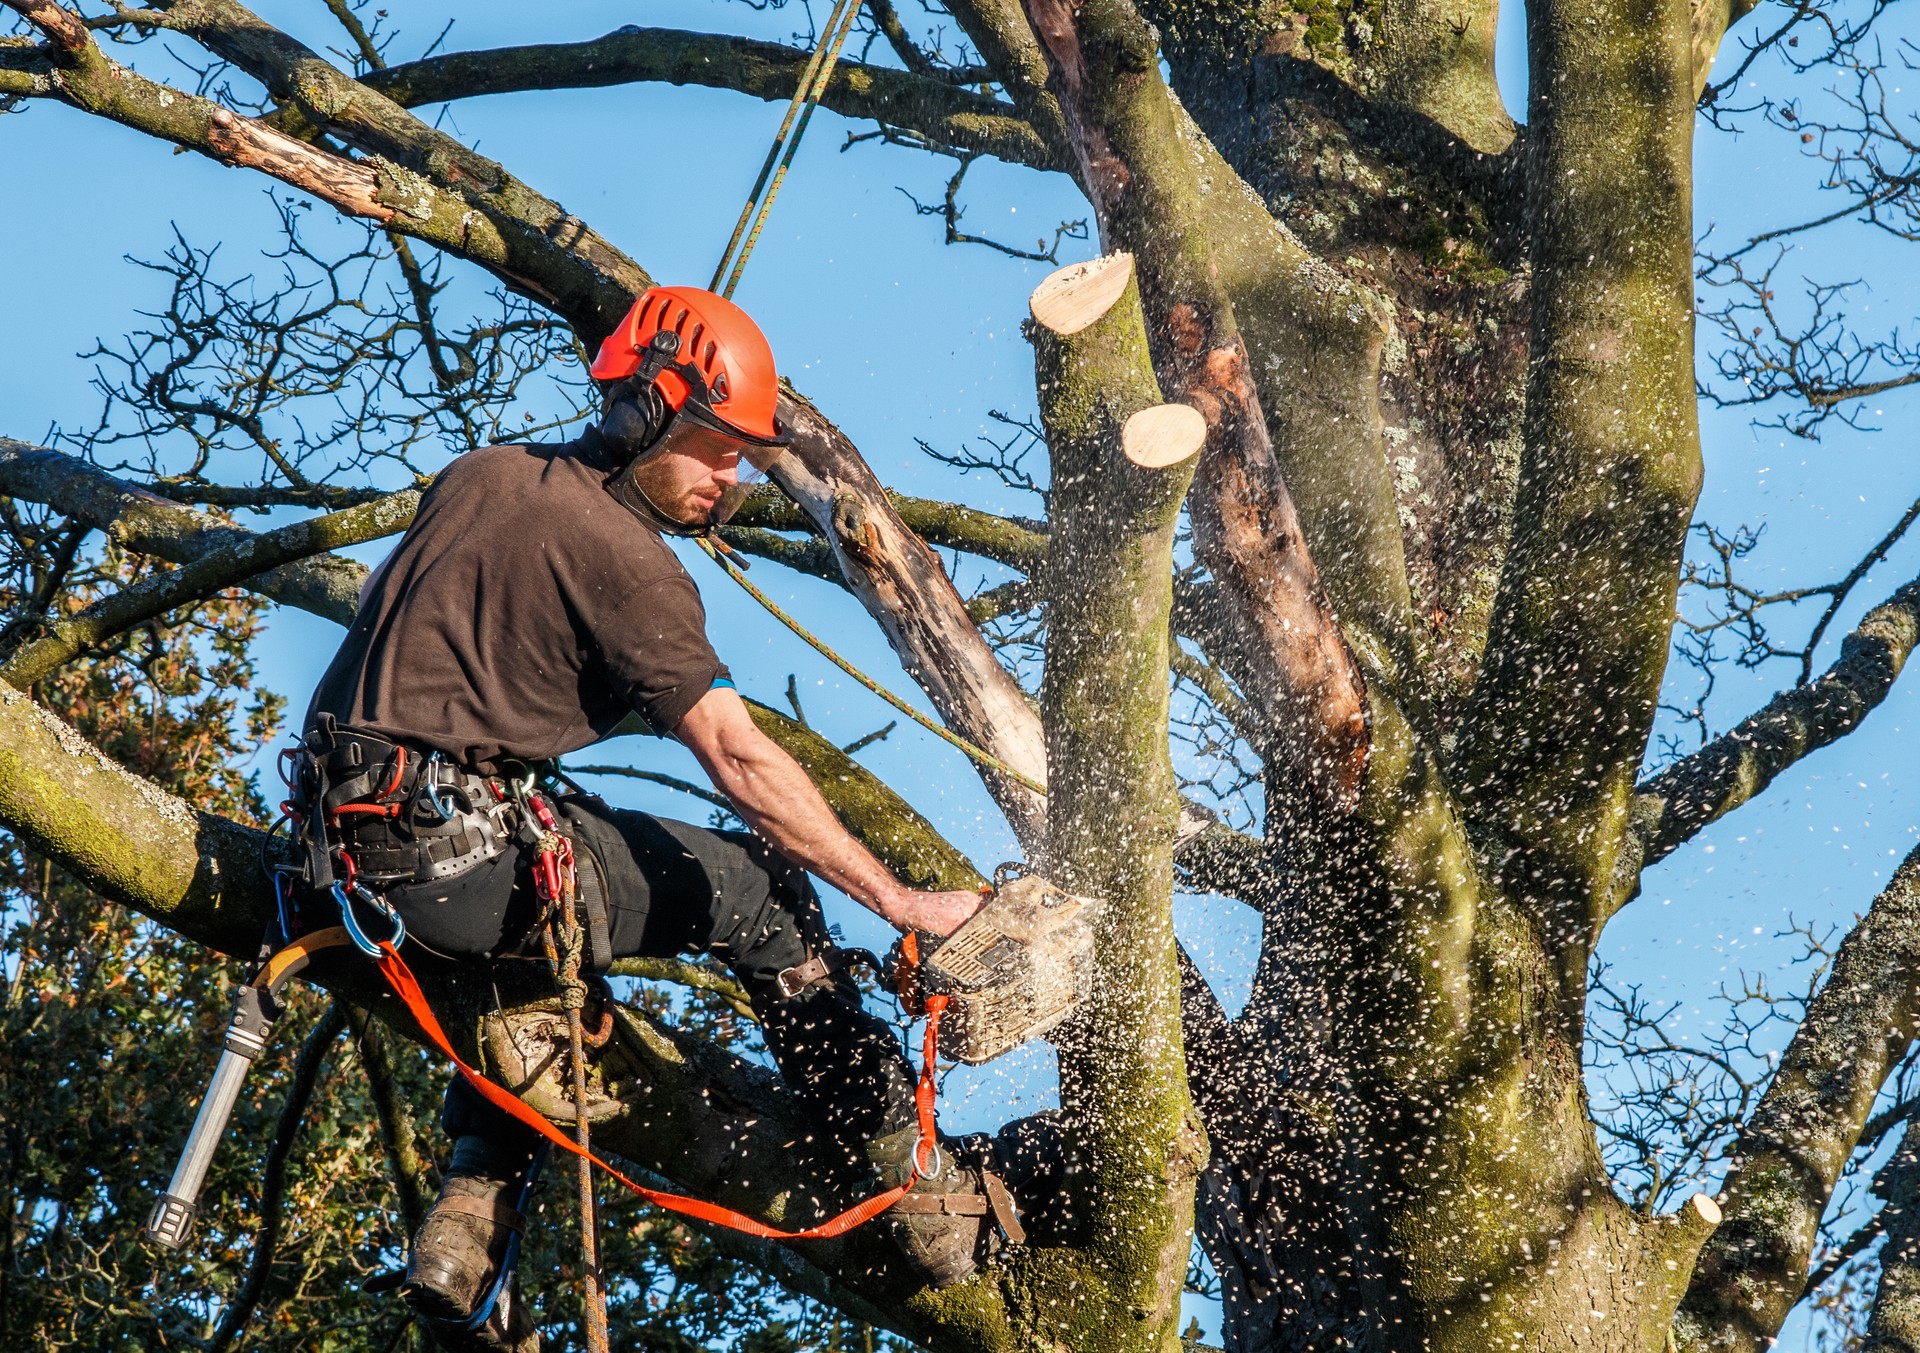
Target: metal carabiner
<point>352,922</point>
<point>432,788</point>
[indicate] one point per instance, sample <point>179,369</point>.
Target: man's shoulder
<point>526,461</point>
<point>558,501</point>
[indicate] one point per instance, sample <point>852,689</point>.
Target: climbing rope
<point>555,881</point>
<point>806,96</point>
<point>978,755</point>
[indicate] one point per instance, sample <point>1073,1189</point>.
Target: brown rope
<point>565,939</point>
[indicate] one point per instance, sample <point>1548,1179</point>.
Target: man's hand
<point>940,913</point>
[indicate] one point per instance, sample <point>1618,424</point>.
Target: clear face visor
<point>692,436</point>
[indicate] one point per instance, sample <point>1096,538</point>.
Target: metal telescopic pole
<point>254,1011</point>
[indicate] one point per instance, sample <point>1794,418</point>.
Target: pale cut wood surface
<point>1163,435</point>
<point>1075,296</point>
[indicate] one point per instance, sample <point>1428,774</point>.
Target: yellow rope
<point>806,94</point>
<point>976,754</point>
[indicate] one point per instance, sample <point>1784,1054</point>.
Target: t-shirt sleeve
<point>657,655</point>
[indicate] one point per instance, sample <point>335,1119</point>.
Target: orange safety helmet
<point>723,364</point>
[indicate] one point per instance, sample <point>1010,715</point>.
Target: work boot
<point>846,1065</point>
<point>1030,1156</point>
<point>508,1327</point>
<point>456,1260</point>
<point>954,1218</point>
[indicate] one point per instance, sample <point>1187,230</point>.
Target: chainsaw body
<point>1014,971</point>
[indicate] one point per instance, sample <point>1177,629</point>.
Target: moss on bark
<point>1112,811</point>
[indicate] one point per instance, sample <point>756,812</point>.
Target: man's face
<point>685,478</point>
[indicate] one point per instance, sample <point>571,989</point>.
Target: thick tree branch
<point>1894,1324</point>
<point>415,179</point>
<point>212,572</point>
<point>1799,1138</point>
<point>84,76</point>
<point>1558,720</point>
<point>1123,1078</point>
<point>902,585</point>
<point>946,115</point>
<point>148,524</point>
<point>1737,766</point>
<point>1319,339</point>
<point>1125,131</point>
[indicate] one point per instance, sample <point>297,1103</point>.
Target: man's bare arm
<point>779,802</point>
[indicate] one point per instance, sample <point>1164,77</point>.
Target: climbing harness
<point>370,925</point>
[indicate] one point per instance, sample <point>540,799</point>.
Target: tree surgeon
<point>531,607</point>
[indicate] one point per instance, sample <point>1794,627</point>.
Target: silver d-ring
<point>939,1161</point>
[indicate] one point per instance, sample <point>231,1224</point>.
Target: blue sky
<point>901,338</point>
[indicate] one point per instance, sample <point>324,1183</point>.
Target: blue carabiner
<point>352,922</point>
<point>434,790</point>
<point>433,797</point>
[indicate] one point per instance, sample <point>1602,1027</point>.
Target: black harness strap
<point>590,882</point>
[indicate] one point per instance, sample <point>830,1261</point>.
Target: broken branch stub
<point>903,586</point>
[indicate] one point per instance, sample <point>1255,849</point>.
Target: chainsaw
<point>1013,971</point>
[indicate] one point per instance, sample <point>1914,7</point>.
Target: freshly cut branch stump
<point>1163,435</point>
<point>1075,296</point>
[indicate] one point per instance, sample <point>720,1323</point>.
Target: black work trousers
<point>673,888</point>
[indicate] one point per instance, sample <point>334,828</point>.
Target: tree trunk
<point>1113,809</point>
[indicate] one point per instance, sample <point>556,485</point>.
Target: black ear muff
<point>633,422</point>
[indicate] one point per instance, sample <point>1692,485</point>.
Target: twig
<point>655,777</point>
<point>221,569</point>
<point>683,973</point>
<point>877,735</point>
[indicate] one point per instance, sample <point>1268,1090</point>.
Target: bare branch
<point>1735,767</point>
<point>693,976</point>
<point>1800,1137</point>
<point>213,571</point>
<point>932,106</point>
<point>147,524</point>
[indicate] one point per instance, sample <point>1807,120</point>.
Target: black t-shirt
<point>523,614</point>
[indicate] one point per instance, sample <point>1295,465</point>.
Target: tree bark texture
<point>1113,808</point>
<point>1894,1324</point>
<point>1444,369</point>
